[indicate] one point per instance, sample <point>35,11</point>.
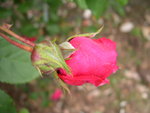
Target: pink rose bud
<point>93,61</point>
<point>56,95</point>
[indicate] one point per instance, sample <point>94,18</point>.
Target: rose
<point>93,61</point>
<point>56,95</point>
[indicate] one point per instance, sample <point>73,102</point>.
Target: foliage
<point>17,67</point>
<point>32,20</point>
<point>27,16</point>
<point>99,7</point>
<point>24,110</point>
<point>6,103</point>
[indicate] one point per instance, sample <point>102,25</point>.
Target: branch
<point>17,36</point>
<point>26,48</point>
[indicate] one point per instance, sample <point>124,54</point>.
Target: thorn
<point>7,26</point>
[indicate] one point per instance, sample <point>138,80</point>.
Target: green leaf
<point>98,7</point>
<point>45,99</point>
<point>53,29</point>
<point>28,29</point>
<point>54,5</point>
<point>25,6</point>
<point>15,65</point>
<point>136,32</point>
<point>118,6</point>
<point>122,2</point>
<point>24,110</point>
<point>6,103</point>
<point>4,13</point>
<point>119,9</point>
<point>34,95</point>
<point>81,3</point>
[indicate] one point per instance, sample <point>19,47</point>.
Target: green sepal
<point>88,35</point>
<point>67,49</point>
<point>50,57</point>
<point>66,45</point>
<point>61,83</point>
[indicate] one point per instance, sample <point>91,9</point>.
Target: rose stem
<point>27,48</point>
<point>17,36</point>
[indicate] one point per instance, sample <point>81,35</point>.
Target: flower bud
<point>47,57</point>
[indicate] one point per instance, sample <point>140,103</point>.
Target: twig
<point>17,36</point>
<point>26,48</point>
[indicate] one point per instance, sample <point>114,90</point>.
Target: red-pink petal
<point>92,62</point>
<point>56,95</point>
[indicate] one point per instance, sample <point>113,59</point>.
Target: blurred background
<point>127,22</point>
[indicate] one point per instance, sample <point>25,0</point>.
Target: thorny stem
<point>26,48</point>
<point>17,36</point>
